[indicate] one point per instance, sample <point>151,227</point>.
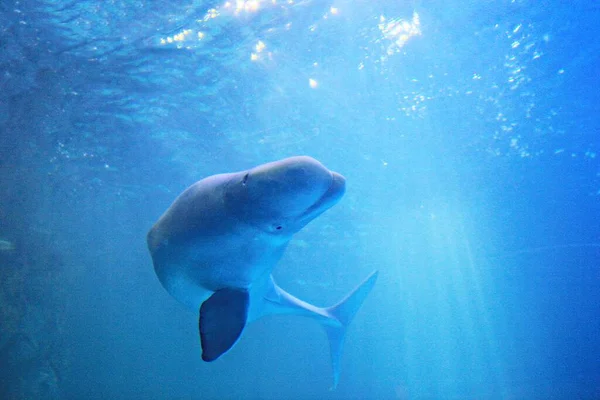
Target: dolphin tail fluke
<point>344,312</point>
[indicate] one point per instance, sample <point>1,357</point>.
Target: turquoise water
<point>469,136</point>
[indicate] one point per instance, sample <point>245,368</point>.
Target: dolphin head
<point>281,197</point>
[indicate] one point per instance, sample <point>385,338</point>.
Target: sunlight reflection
<point>236,8</point>
<point>215,18</point>
<point>399,31</point>
<point>259,50</point>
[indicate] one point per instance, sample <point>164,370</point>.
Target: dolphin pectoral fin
<point>222,319</point>
<point>344,312</point>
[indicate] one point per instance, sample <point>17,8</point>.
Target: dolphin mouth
<point>334,193</point>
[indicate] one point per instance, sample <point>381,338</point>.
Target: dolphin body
<point>216,245</point>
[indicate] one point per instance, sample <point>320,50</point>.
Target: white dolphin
<point>214,250</point>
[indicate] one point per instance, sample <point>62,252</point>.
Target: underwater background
<point>469,135</point>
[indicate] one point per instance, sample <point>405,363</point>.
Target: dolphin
<point>215,247</point>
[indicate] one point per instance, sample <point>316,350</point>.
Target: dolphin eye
<point>276,228</point>
<point>245,178</point>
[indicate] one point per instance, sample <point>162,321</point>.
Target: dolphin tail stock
<point>343,312</point>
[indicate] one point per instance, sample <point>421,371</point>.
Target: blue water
<point>469,135</point>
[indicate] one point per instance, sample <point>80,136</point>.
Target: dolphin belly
<point>191,270</point>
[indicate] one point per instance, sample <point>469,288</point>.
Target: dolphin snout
<point>338,183</point>
<point>334,193</point>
